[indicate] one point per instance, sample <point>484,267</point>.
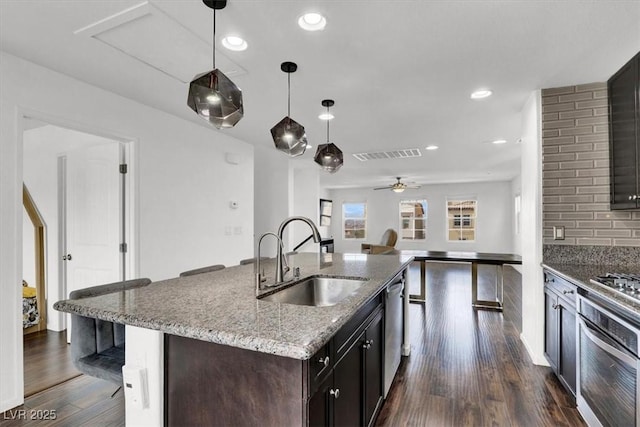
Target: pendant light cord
<point>328,125</point>
<point>289,94</point>
<point>214,39</point>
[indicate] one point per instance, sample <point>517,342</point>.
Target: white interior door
<point>93,217</point>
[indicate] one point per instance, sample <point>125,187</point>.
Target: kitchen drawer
<point>320,364</point>
<point>567,291</point>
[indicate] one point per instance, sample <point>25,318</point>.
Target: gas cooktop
<point>627,285</point>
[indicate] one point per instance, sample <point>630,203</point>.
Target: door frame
<point>131,215</point>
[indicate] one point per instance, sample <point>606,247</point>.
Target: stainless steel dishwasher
<point>393,329</point>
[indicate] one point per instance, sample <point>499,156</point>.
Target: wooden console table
<point>475,258</point>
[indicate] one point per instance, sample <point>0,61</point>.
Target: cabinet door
<point>623,142</point>
<point>320,404</point>
<point>373,363</point>
<point>551,328</point>
<point>347,382</point>
<point>568,347</point>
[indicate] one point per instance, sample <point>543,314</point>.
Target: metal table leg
<point>423,285</point>
<point>482,304</point>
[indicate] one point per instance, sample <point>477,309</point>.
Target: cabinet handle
<point>335,393</point>
<point>555,306</point>
<point>566,292</point>
<point>633,197</point>
<point>324,361</point>
<point>367,344</point>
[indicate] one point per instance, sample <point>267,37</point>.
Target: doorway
<point>81,189</point>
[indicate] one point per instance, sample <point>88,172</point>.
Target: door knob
<point>335,393</point>
<point>66,257</point>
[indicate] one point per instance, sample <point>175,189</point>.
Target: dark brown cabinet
<point>560,329</point>
<point>373,369</point>
<point>624,135</point>
<point>352,393</point>
<point>340,385</point>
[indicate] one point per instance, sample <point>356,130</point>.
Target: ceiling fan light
<point>289,137</point>
<point>398,189</point>
<point>329,157</point>
<point>215,98</point>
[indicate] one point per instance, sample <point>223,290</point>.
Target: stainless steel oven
<point>608,386</point>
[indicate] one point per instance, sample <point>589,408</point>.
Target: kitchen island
<point>258,349</point>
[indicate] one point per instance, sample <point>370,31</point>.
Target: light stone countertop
<point>221,306</point>
<point>580,275</point>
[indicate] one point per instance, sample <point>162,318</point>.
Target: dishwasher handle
<point>396,288</point>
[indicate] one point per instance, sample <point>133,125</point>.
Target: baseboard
<point>536,359</point>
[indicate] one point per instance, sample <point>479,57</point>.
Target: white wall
<point>41,148</point>
<point>516,189</point>
<point>272,196</point>
<point>531,217</point>
<point>306,202</point>
<point>494,232</point>
<point>184,186</point>
<point>286,187</point>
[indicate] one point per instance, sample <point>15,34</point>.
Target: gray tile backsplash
<point>575,171</point>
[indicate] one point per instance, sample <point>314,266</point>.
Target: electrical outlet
<point>558,233</point>
<point>237,230</point>
<point>135,385</point>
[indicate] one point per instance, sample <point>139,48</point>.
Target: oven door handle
<point>595,335</point>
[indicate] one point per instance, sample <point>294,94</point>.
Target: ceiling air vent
<point>395,154</point>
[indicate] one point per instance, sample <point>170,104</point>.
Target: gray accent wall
<point>575,165</point>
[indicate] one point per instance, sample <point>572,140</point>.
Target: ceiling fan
<point>398,187</point>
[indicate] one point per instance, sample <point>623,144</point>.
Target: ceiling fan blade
<point>383,188</point>
<point>413,186</point>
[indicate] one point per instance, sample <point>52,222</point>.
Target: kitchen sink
<point>318,291</point>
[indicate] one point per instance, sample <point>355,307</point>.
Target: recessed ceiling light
<point>499,141</point>
<point>326,116</point>
<point>234,43</point>
<point>481,93</point>
<point>432,147</point>
<point>312,21</point>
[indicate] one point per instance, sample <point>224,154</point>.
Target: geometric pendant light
<point>328,155</point>
<point>288,135</point>
<point>212,95</point>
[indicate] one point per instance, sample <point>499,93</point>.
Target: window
<point>413,220</point>
<point>354,219</point>
<point>461,219</point>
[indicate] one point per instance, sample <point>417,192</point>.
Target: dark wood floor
<point>47,361</point>
<point>82,401</point>
<point>467,368</point>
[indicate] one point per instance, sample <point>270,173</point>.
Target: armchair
<point>387,244</point>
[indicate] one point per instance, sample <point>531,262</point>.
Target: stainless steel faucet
<point>260,279</point>
<point>282,266</point>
